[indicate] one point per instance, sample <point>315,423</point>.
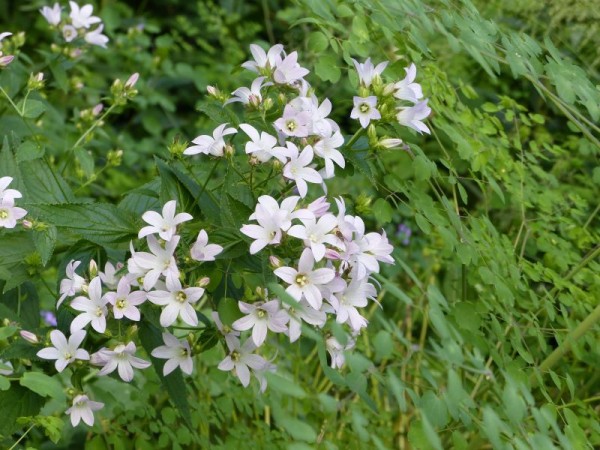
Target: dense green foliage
<point>488,331</point>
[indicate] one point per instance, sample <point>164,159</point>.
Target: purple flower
<point>404,232</point>
<point>49,318</point>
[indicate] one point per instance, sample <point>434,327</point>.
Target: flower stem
<point>23,435</point>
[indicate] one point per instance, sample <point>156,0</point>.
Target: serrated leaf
<point>44,241</point>
<point>101,223</point>
<point>44,184</point>
<point>327,69</point>
<point>28,151</point>
<point>32,109</point>
<point>42,384</point>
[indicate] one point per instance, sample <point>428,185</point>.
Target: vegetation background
<point>488,331</point>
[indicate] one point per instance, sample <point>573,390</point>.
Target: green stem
<point>11,102</point>
<point>355,138</point>
<point>562,349</point>
<point>212,170</point>
<point>22,436</point>
<point>94,126</point>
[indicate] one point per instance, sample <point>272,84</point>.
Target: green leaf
<point>17,402</point>
<point>285,386</point>
<point>151,337</point>
<point>28,151</point>
<point>297,429</point>
<point>382,211</point>
<point>4,383</point>
<point>32,109</point>
<point>101,223</point>
<point>327,69</point>
<point>6,332</point>
<point>44,241</point>
<point>42,384</point>
<point>317,42</point>
<point>44,184</point>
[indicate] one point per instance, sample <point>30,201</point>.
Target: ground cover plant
<point>308,224</point>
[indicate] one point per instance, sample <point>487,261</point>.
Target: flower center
<point>183,352</point>
<point>235,356</point>
<point>291,125</point>
<point>181,297</point>
<point>3,213</point>
<point>121,303</point>
<point>313,238</point>
<point>364,108</point>
<point>301,280</point>
<point>99,312</point>
<point>261,313</point>
<point>68,356</point>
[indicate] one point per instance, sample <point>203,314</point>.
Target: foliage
<point>488,328</point>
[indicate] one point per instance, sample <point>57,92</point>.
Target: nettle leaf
<point>327,69</point>
<point>28,151</point>
<point>44,241</point>
<point>151,337</point>
<point>44,184</point>
<point>101,223</point>
<point>17,402</point>
<point>15,248</point>
<point>32,109</point>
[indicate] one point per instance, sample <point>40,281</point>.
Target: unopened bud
<point>389,89</point>
<point>213,91</point>
<point>5,60</point>
<point>177,146</point>
<point>267,103</point>
<point>276,164</point>
<point>253,161</point>
<point>229,150</point>
<point>390,143</point>
<point>254,100</point>
<point>36,81</point>
<point>29,336</point>
<point>203,282</point>
<point>275,262</point>
<point>96,110</point>
<point>372,133</point>
<point>114,158</point>
<point>363,204</point>
<point>93,269</point>
<point>130,83</point>
<point>27,224</point>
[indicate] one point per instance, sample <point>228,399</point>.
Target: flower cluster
<point>78,24</point>
<point>9,213</point>
<point>377,99</point>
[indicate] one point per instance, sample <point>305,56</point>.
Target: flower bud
<point>28,225</point>
<point>36,81</point>
<point>93,269</point>
<point>29,336</point>
<point>275,262</point>
<point>114,158</point>
<point>213,91</point>
<point>229,150</point>
<point>363,204</point>
<point>390,143</point>
<point>130,83</point>
<point>389,89</point>
<point>177,146</point>
<point>203,282</point>
<point>96,110</point>
<point>5,60</point>
<point>267,104</point>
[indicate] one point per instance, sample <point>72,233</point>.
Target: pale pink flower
<point>177,352</point>
<point>8,194</point>
<point>65,352</point>
<point>9,213</point>
<point>316,234</point>
<point>250,96</point>
<point>82,17</point>
<point>177,302</point>
<point>412,116</point>
<point>96,37</point>
<point>241,358</point>
<point>327,148</point>
<point>151,266</point>
<point>123,359</point>
<point>263,146</point>
<point>73,284</point>
<point>52,15</point>
<point>264,60</point>
<point>260,317</point>
<point>406,89</point>
<point>367,72</point>
<point>211,145</point>
<point>289,71</point>
<point>124,302</point>
<point>83,409</point>
<point>202,250</point>
<point>93,309</point>
<point>297,168</point>
<point>294,122</point>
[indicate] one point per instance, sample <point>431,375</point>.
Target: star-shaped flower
<point>65,352</point>
<point>165,225</point>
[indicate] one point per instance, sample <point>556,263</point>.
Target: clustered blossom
<point>9,213</point>
<point>367,107</point>
<point>77,24</point>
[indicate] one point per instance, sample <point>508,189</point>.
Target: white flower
<point>266,232</point>
<point>177,353</point>
<point>336,351</point>
<point>96,37</point>
<point>93,309</point>
<point>249,96</point>
<point>327,148</point>
<point>152,265</point>
<point>69,32</point>
<point>305,281</point>
<point>177,302</point>
<point>366,71</point>
<point>240,358</point>
<point>365,110</point>
<point>391,142</point>
<point>108,277</point>
<point>260,317</point>
<point>225,330</point>
<point>318,207</point>
<point>294,122</point>
<point>165,225</point>
<point>412,116</point>
<point>9,213</point>
<point>6,367</point>
<point>316,234</point>
<point>124,301</point>
<point>202,250</point>
<point>296,169</point>
<point>122,358</point>
<point>82,409</point>
<point>64,352</point>
<point>406,89</point>
<point>73,284</point>
<point>264,60</point>
<point>263,146</point>
<point>208,145</point>
<point>302,311</point>
<point>8,194</point>
<point>288,71</point>
<point>354,296</point>
<point>282,215</point>
<point>52,15</point>
<point>82,17</point>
